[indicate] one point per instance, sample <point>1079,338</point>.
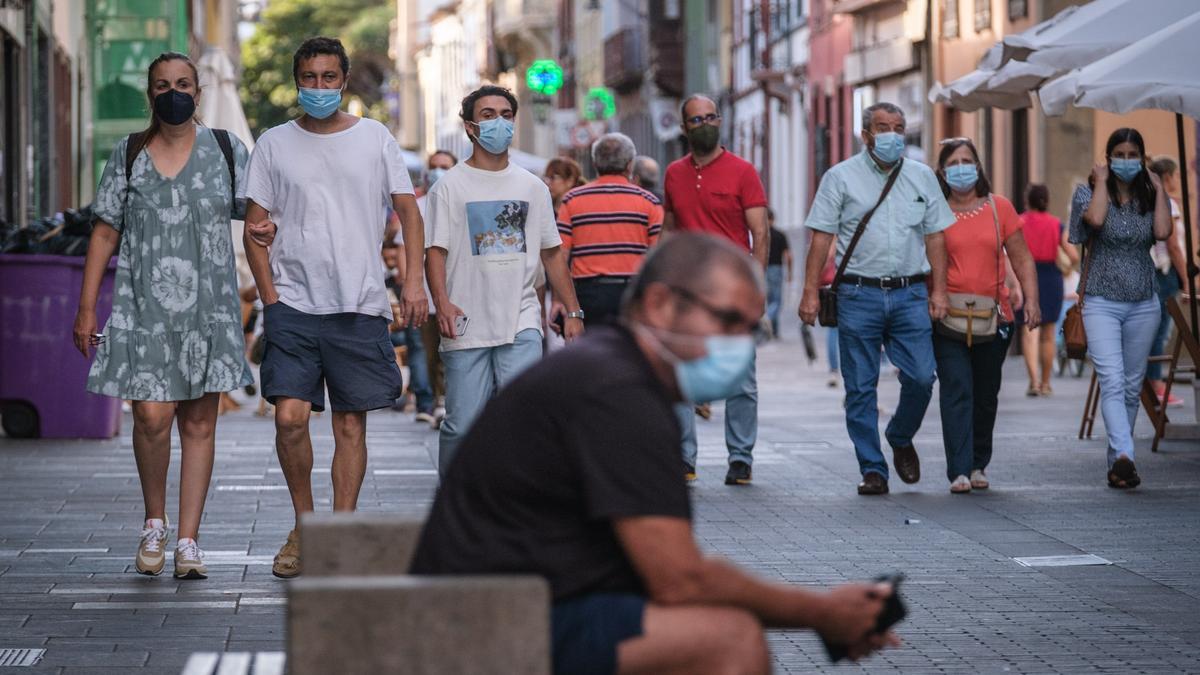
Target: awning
<point>1158,72</point>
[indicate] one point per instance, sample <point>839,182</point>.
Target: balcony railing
<point>625,61</point>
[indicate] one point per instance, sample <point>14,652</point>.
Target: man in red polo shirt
<point>713,190</point>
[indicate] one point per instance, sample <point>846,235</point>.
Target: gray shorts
<point>350,353</point>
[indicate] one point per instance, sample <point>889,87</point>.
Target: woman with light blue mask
<point>1117,217</point>
<point>984,239</point>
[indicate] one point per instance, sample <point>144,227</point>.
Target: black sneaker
<point>738,474</point>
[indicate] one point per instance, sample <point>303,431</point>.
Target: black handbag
<point>827,295</point>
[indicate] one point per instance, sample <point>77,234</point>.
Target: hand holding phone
<point>460,325</point>
<point>893,612</point>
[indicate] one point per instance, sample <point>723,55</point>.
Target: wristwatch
<point>577,314</point>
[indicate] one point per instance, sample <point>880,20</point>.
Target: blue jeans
<point>741,423</point>
<point>968,388</point>
<point>418,367</point>
<point>774,296</point>
<point>473,376</point>
<point>831,348</point>
<point>897,320</point>
<point>1119,336</point>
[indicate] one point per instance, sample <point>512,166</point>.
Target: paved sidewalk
<point>70,513</point>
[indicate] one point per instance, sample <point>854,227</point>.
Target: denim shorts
<point>349,353</point>
<point>586,631</point>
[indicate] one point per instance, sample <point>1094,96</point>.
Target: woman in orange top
<point>969,376</point>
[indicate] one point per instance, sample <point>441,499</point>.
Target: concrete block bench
<point>354,610</point>
<point>357,544</point>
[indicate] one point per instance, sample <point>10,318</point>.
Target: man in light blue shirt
<point>893,288</point>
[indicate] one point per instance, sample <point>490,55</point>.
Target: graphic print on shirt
<point>497,227</point>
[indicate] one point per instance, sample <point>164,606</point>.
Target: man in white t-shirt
<point>318,182</point>
<point>490,223</point>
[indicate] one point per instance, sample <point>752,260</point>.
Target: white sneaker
<point>961,485</point>
<point>189,560</point>
<point>978,480</point>
<point>150,556</point>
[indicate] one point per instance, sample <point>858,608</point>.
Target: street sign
<point>599,104</point>
<point>581,135</point>
<point>544,76</point>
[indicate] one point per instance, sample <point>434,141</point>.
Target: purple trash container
<point>42,375</point>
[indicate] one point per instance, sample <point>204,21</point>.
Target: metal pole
<point>1187,227</point>
<point>765,10</point>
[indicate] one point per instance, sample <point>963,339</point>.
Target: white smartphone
<point>460,325</point>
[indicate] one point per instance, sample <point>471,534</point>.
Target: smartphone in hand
<point>460,325</point>
<point>893,612</point>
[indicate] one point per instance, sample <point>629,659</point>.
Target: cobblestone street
<point>71,513</point>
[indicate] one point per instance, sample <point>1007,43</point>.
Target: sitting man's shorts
<point>586,631</point>
<point>349,352</point>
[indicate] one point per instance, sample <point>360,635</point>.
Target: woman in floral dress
<point>174,341</point>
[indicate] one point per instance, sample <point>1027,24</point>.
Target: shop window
<point>983,15</point>
<point>950,18</point>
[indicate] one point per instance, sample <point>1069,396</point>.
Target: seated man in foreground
<point>573,473</point>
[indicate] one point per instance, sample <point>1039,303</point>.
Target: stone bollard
<point>357,544</point>
<point>429,625</point>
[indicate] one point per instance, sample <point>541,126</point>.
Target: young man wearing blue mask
<point>893,285</point>
<point>319,182</point>
<point>582,456</point>
<point>490,223</point>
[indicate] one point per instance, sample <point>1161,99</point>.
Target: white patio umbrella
<point>1157,72</point>
<point>969,92</point>
<point>220,105</point>
<point>1074,37</point>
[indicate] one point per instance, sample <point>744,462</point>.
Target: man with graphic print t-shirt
<point>490,222</point>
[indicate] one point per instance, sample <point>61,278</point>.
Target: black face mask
<point>174,107</point>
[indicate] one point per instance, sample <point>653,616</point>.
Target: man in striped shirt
<point>607,226</point>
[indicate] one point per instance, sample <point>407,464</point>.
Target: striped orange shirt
<point>608,226</point>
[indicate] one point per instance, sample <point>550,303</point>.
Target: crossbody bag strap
<point>999,250</point>
<point>862,225</point>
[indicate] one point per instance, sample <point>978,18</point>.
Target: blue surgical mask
<point>1126,169</point>
<point>433,175</point>
<point>319,103</point>
<point>495,135</point>
<point>962,177</point>
<point>889,147</point>
<point>718,374</point>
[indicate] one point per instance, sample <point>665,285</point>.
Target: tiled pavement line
<point>235,663</point>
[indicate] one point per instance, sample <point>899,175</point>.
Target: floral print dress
<point>175,332</point>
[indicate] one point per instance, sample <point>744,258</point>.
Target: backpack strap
<point>134,144</point>
<point>222,137</point>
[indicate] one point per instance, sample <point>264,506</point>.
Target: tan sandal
<point>960,486</point>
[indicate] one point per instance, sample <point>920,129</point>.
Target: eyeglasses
<point>702,119</point>
<point>729,319</point>
<point>956,139</point>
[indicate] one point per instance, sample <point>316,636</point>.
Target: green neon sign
<point>544,76</point>
<point>599,104</point>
